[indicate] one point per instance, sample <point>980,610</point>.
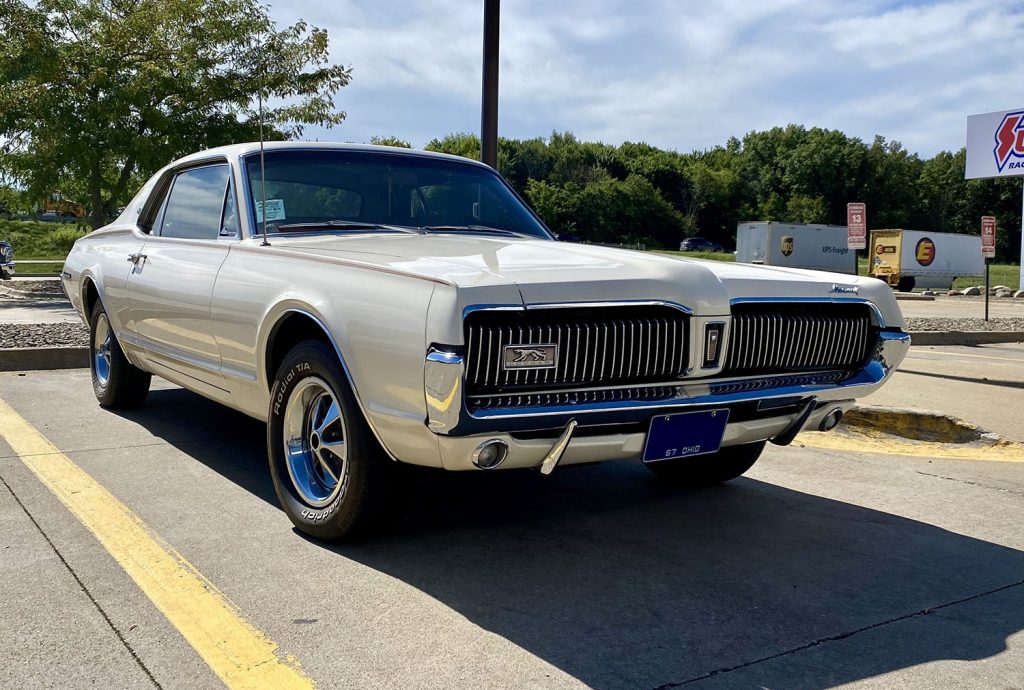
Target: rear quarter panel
<point>102,257</point>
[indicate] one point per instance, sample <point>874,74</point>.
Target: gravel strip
<point>31,289</point>
<point>77,335</point>
<point>43,335</point>
<point>937,324</point>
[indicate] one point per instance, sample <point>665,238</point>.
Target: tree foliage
<point>636,192</point>
<point>96,93</point>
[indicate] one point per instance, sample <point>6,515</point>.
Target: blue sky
<point>680,75</point>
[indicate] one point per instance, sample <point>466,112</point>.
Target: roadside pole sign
<point>995,148</point>
<point>988,237</point>
<point>856,226</point>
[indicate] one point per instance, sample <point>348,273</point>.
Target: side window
<point>194,207</point>
<point>229,222</point>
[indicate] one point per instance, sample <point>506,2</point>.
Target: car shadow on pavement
<point>623,582</point>
<point>228,442</point>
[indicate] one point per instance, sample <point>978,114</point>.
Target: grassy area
<point>50,268</point>
<point>37,240</point>
<point>1001,274</point>
<point>711,256</point>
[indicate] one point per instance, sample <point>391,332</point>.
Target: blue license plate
<point>685,434</point>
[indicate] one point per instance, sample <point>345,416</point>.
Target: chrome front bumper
<point>447,414</point>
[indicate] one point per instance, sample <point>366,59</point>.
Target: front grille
<point>777,338</point>
<point>603,346</point>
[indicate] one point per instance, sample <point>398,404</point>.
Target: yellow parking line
<point>241,655</point>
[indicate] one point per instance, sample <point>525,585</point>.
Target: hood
<point>552,272</point>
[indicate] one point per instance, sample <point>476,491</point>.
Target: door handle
<point>134,258</point>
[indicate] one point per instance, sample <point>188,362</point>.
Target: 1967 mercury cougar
<point>406,306</point>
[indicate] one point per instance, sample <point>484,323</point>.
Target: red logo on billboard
<point>1010,141</point>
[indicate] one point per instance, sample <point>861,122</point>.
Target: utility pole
<point>489,102</point>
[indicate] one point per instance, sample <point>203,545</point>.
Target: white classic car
<point>408,306</point>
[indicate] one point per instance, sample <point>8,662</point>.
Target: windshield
<point>357,191</point>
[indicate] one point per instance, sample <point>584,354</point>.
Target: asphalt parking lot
<point>821,568</point>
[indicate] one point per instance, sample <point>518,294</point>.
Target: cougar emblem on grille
<point>533,354</point>
<point>530,356</point>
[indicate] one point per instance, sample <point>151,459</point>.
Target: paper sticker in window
<point>275,210</point>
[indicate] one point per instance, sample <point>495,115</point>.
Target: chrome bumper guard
<point>448,415</point>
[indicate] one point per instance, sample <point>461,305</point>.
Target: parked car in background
<point>408,307</point>
<point>699,244</point>
<point>6,260</point>
<point>58,217</point>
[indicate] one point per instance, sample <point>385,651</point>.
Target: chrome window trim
<point>254,230</point>
<point>158,224</point>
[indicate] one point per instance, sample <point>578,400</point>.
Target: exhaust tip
<point>831,420</point>
<point>489,454</point>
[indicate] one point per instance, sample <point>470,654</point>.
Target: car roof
<point>243,149</point>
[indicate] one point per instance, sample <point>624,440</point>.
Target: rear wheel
<point>116,382</point>
<point>328,469</point>
<point>704,470</point>
<point>906,284</point>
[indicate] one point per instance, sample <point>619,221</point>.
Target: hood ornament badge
<point>844,289</point>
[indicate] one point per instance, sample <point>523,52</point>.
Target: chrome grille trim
<point>759,384</point>
<point>781,338</point>
<point>552,399</point>
<point>610,345</point>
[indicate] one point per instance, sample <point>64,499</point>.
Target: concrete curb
<point>917,425</point>
<point>965,337</point>
<point>40,358</point>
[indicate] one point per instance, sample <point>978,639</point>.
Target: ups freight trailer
<point>907,259</point>
<point>795,245</point>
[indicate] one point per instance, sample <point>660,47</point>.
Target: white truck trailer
<point>796,245</point>
<point>914,258</point>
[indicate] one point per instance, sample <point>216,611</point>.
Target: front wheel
<point>116,382</point>
<point>714,468</point>
<point>328,468</point>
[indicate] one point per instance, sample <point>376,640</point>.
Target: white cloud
<point>679,75</point>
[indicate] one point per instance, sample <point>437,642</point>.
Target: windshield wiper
<point>338,225</point>
<point>471,228</point>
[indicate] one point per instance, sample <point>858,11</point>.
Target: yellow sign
<point>925,251</point>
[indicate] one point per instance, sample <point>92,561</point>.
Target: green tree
<point>391,141</point>
<point>942,190</point>
<point>103,91</point>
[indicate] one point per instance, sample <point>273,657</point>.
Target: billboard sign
<point>995,144</point>
<point>988,237</point>
<point>856,226</point>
